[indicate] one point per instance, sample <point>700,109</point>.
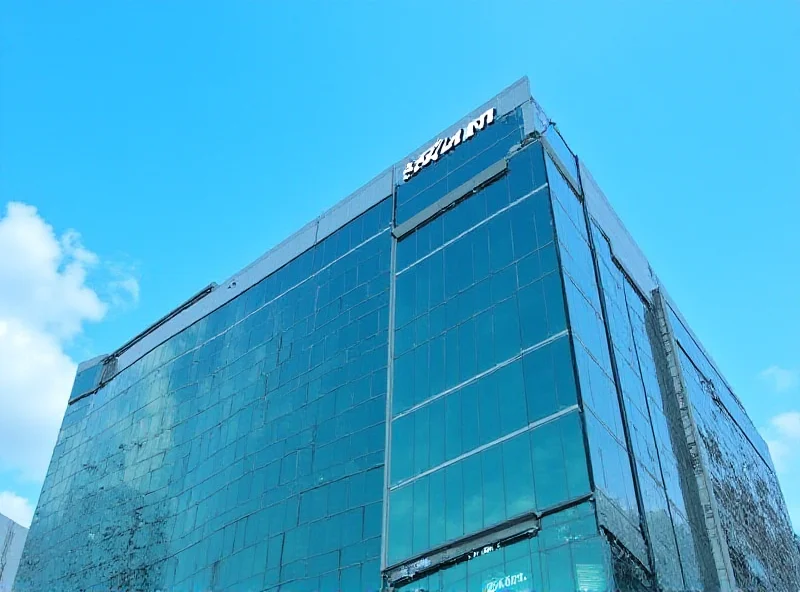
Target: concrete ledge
<point>486,176</point>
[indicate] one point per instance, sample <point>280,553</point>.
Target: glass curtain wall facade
<point>245,453</point>
<point>485,424</point>
<point>464,385</point>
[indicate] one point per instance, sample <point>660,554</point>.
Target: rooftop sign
<point>442,147</point>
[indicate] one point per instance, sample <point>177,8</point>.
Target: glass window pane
<point>523,232</point>
<point>518,475</point>
<point>473,494</point>
<point>549,472</point>
<point>437,433</point>
<point>503,284</point>
<point>483,339</point>
<point>421,439</point>
<point>453,406</point>
<point>560,570</point>
<point>400,523</point>
<point>469,415</point>
<point>437,533</point>
<point>529,269</point>
<point>533,314</point>
<point>521,174</point>
<point>436,376</point>
<point>506,330</point>
<point>403,392</point>
<point>494,504</point>
<point>564,372</point>
<point>421,372</point>
<point>554,297</point>
<point>542,399</point>
<point>454,487</point>
<point>421,515</point>
<point>467,356</point>
<point>510,391</point>
<point>488,410</point>
<point>577,473</point>
<point>501,246</point>
<point>402,448</point>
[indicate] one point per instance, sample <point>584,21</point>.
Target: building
<point>12,540</point>
<point>464,377</point>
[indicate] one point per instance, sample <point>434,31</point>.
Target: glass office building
<point>464,377</point>
<point>12,541</point>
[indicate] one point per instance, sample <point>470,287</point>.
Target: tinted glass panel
<point>499,402</point>
<point>535,470</point>
<point>618,505</point>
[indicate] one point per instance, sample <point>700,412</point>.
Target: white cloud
<point>787,425</point>
<point>781,454</point>
<point>19,509</point>
<point>794,515</point>
<point>783,438</point>
<point>45,302</point>
<point>781,379</point>
<point>42,277</point>
<point>35,380</point>
<point>124,289</point>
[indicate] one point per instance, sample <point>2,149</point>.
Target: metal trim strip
<point>449,199</point>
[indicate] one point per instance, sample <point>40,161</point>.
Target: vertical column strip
<point>677,384</point>
<point>637,488</point>
<point>387,463</point>
<point>567,316</point>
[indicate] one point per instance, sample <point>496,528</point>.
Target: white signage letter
<point>451,142</point>
<point>480,123</point>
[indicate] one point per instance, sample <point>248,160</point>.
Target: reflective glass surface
<point>86,380</point>
<point>726,397</point>
<point>746,490</point>
<point>563,152</point>
<point>535,470</point>
<point>647,425</point>
<point>522,392</point>
<point>475,302</point>
<point>611,465</point>
<point>482,368</point>
<point>245,453</point>
<point>566,555</point>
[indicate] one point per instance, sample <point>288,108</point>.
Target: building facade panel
<point>485,426</point>
<point>616,497</point>
<point>745,487</point>
<point>245,453</point>
<point>662,495</point>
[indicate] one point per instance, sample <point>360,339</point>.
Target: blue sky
<point>181,140</point>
